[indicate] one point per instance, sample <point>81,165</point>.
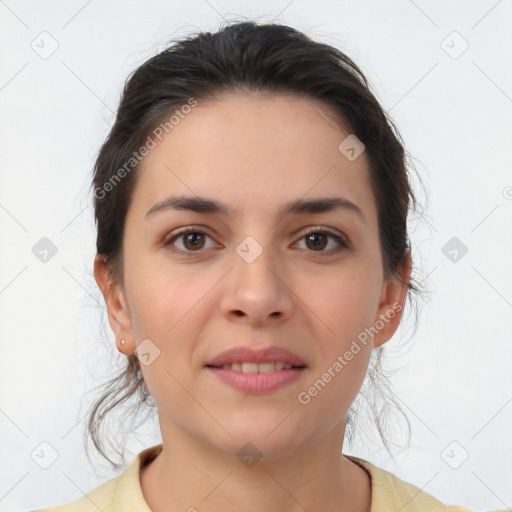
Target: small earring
<point>122,342</point>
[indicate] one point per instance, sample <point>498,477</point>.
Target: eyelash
<point>341,241</point>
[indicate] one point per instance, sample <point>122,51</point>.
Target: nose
<point>257,292</point>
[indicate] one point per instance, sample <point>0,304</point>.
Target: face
<point>293,283</point>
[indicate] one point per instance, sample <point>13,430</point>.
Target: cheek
<point>345,303</point>
<point>166,308</point>
<point>340,310</point>
<point>163,311</point>
<point>331,391</point>
<point>162,299</point>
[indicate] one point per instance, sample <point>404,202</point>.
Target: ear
<point>118,314</point>
<point>391,304</point>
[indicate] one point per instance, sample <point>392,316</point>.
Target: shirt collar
<point>128,492</point>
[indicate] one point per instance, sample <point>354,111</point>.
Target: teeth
<point>250,367</point>
<point>257,368</point>
<point>265,367</point>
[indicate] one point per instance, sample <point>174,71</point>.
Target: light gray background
<point>454,114</point>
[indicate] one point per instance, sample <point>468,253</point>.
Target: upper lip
<point>245,354</point>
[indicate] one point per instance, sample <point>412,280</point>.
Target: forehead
<point>254,152</point>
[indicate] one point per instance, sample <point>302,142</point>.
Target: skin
<point>254,153</point>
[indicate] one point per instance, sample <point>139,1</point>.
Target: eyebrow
<point>210,206</point>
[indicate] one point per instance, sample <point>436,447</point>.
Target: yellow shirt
<point>123,493</point>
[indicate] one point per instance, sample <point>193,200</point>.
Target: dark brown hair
<point>247,56</point>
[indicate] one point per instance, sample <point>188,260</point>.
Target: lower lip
<point>258,382</point>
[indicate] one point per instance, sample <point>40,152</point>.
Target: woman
<point>251,203</point>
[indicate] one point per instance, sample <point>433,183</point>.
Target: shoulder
<point>391,493</point>
<point>120,493</point>
<point>100,498</point>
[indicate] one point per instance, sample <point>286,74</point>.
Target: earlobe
<point>391,306</point>
<point>118,314</point>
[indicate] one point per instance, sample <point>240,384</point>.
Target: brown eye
<point>192,240</point>
<point>316,240</point>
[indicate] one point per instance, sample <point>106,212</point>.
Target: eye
<point>317,239</point>
<point>193,240</point>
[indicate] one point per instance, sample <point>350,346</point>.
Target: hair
<point>249,57</point>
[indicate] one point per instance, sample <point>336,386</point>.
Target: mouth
<point>247,359</point>
<point>257,371</point>
<point>257,378</point>
<point>248,367</point>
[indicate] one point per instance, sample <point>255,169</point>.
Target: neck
<point>189,474</point>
